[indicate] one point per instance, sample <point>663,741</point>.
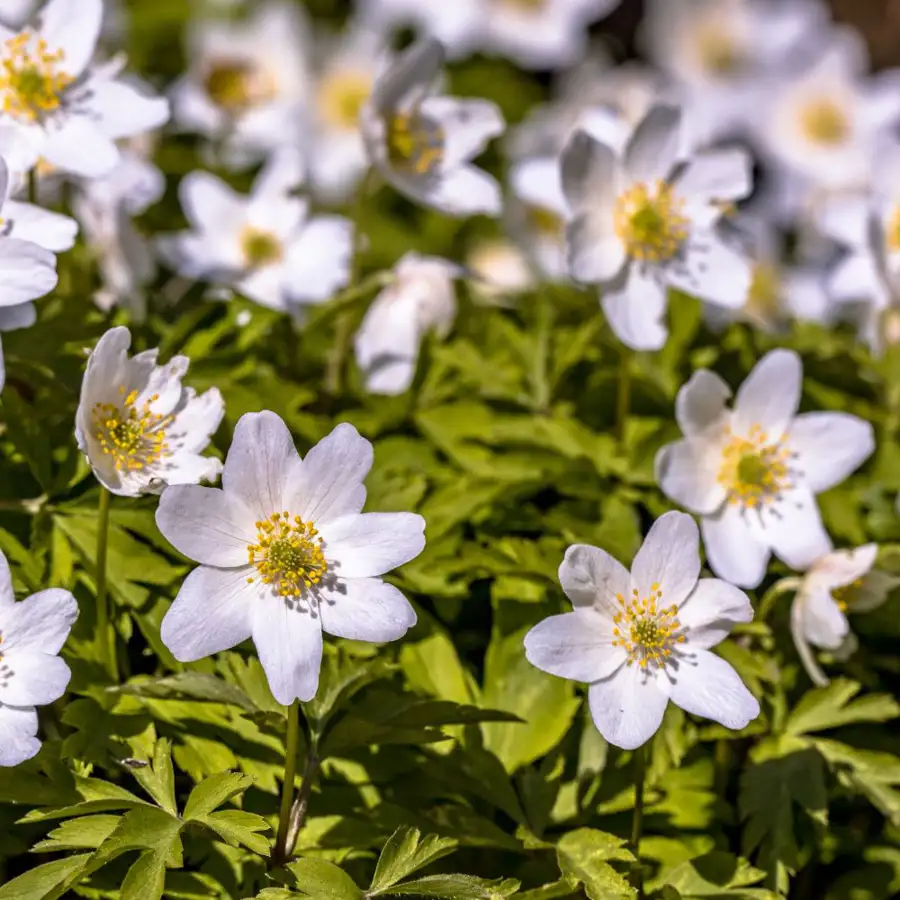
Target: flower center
<point>754,471</point>
<point>134,436</point>
<point>260,248</point>
<point>824,122</point>
<point>237,84</point>
<point>525,5</point>
<point>847,594</point>
<point>649,222</point>
<point>342,96</point>
<point>31,82</point>
<point>645,629</point>
<point>287,554</point>
<point>718,52</point>
<point>415,144</point>
<point>764,293</point>
<point>546,222</point>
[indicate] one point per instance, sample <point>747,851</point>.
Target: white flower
<point>641,223</point>
<point>499,270</point>
<point>264,244</point>
<point>32,632</point>
<point>285,553</point>
<point>841,581</point>
<point>422,143</point>
<point>421,298</point>
<point>137,426</point>
<point>55,105</point>
<point>247,81</point>
<point>752,473</point>
<point>14,13</point>
<point>642,638</point>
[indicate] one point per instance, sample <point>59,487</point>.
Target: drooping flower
<point>642,638</point>
<point>421,298</point>
<point>138,427</point>
<point>642,223</point>
<point>56,105</point>
<point>247,82</point>
<point>285,554</point>
<point>421,142</point>
<point>752,473</point>
<point>840,582</point>
<point>264,245</point>
<point>32,632</point>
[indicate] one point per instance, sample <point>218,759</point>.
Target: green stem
<point>287,789</point>
<point>768,601</point>
<point>623,397</point>
<point>105,630</point>
<point>32,184</point>
<point>540,379</point>
<point>722,767</point>
<point>637,819</point>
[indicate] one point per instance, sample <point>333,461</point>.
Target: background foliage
<point>447,753</point>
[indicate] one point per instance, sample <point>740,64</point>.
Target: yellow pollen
<point>648,220</point>
<point>718,52</point>
<point>845,595</point>
<point>415,144</point>
<point>134,436</point>
<point>260,248</point>
<point>754,471</point>
<point>764,294</point>
<point>287,554</point>
<point>645,629</point>
<point>31,80</point>
<point>238,84</point>
<point>892,230</point>
<point>342,96</point>
<point>532,6</point>
<point>824,122</point>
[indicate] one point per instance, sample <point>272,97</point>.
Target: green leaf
<point>869,772</point>
<point>158,778</point>
<point>718,875</point>
<point>456,887</point>
<point>146,879</point>
<point>84,833</point>
<point>585,855</point>
<point>214,791</point>
<point>192,685</point>
<point>323,880</point>
<point>406,852</point>
<point>47,882</point>
<point>239,828</point>
<point>833,705</point>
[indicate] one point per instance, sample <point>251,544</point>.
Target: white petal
<point>701,403</point>
<point>770,395</point>
<point>281,175</point>
<point>576,645</point>
<point>653,149</point>
<point>370,544</point>
<point>319,260</point>
<point>468,125</point>
<point>794,531</point>
<point>628,707</point>
<point>705,685</point>
<point>329,482</point>
<point>210,204</point>
<point>212,612</point>
<point>14,317</point>
<point>712,271</point>
<point>74,29</point>
<point>18,734</point>
<point>207,525</point>
<point>716,175</point>
<point>26,272</point>
<point>32,678</point>
<point>47,229</point>
<point>125,111</point>
<point>365,609</point>
<point>465,191</point>
<point>669,558</point>
<point>829,447</point>
<point>595,253</point>
<point>711,610</point>
<point>636,314</point>
<point>7,595</point>
<point>687,472</point>
<point>732,549</point>
<point>266,286</point>
<point>843,567</point>
<point>40,623</point>
<point>823,623</point>
<point>81,148</point>
<point>591,577</point>
<point>414,69</point>
<point>288,638</point>
<point>589,170</point>
<point>260,464</point>
<point>199,419</point>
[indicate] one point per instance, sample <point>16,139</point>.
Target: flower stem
<point>105,630</point>
<point>287,787</point>
<point>540,377</point>
<point>32,184</point>
<point>623,397</point>
<point>637,819</point>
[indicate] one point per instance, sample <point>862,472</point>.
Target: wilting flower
<point>285,553</point>
<point>138,427</point>
<point>264,245</point>
<point>421,298</point>
<point>641,223</point>
<point>422,143</point>
<point>247,81</point>
<point>32,632</point>
<point>642,638</point>
<point>840,582</point>
<point>752,473</point>
<point>56,106</point>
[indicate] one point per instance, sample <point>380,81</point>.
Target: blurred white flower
<point>55,105</point>
<point>421,298</point>
<point>32,632</point>
<point>499,270</point>
<point>422,143</point>
<point>264,245</point>
<point>247,82</point>
<point>752,473</point>
<point>286,553</point>
<point>839,582</point>
<point>642,638</point>
<point>138,427</point>
<point>15,13</point>
<point>642,223</point>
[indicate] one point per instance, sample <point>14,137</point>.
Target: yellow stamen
<point>260,248</point>
<point>31,78</point>
<point>287,554</point>
<point>238,84</point>
<point>342,96</point>
<point>648,220</point>
<point>754,470</point>
<point>824,122</point>
<point>645,629</point>
<point>134,436</point>
<point>415,144</point>
<point>845,595</point>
